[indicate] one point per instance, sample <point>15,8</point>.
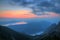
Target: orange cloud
<point>24,14</point>
<point>18,23</point>
<point>17,14</point>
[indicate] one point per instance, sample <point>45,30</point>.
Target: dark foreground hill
<point>9,34</point>
<point>52,33</point>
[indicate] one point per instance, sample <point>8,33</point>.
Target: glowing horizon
<point>16,14</point>
<point>24,14</point>
<point>14,11</point>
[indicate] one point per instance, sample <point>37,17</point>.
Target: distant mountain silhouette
<point>52,33</point>
<point>9,34</point>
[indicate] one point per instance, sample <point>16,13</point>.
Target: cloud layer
<point>39,5</point>
<point>25,14</point>
<point>18,23</point>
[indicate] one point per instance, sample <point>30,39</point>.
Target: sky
<point>9,10</point>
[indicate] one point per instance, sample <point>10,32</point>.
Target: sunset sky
<point>13,11</point>
<point>29,16</point>
<point>24,14</point>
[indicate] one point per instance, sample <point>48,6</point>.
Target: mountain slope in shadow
<point>52,33</point>
<point>31,27</point>
<point>9,34</point>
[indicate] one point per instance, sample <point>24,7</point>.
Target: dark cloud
<point>57,10</point>
<point>40,5</point>
<point>46,4</point>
